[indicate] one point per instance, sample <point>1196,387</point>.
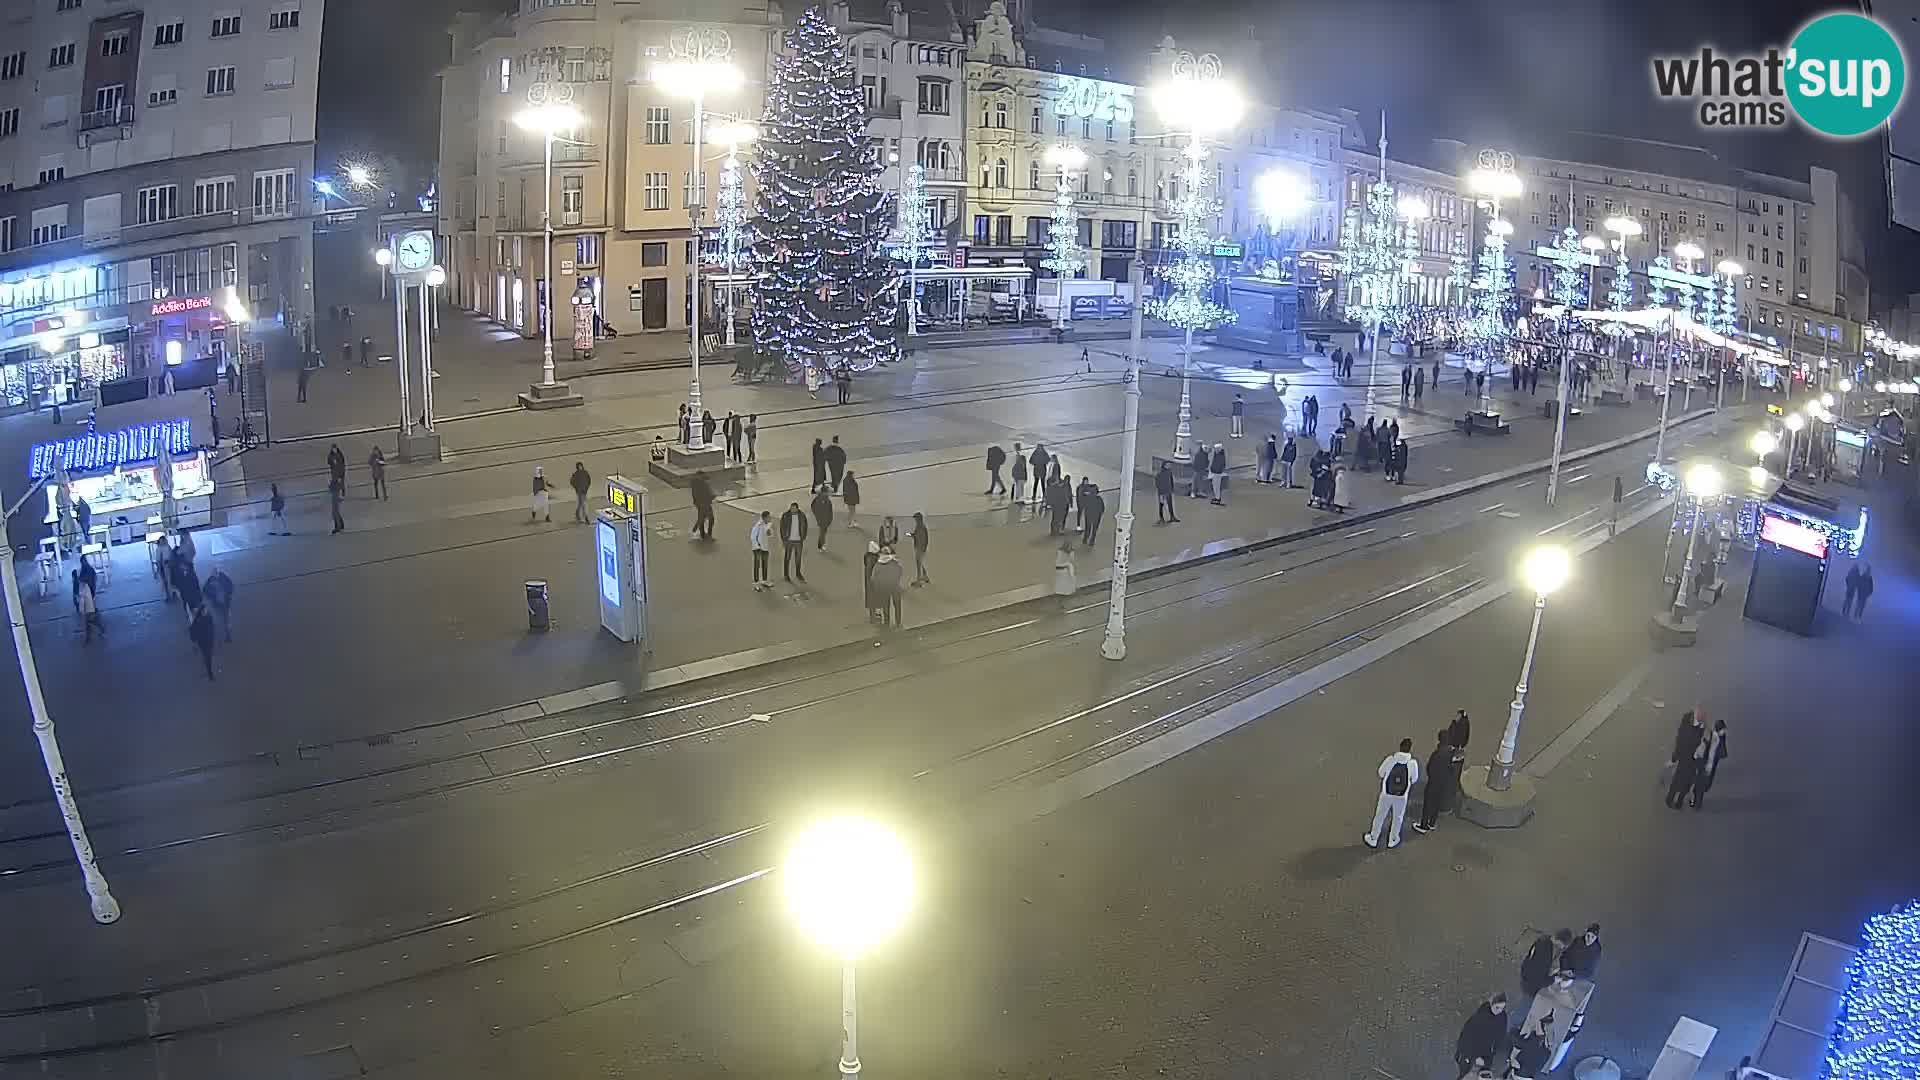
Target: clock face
<point>415,251</point>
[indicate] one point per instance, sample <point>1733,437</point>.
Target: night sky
<point>1484,71</point>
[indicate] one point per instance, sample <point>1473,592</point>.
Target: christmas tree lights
<point>1620,295</point>
<point>1065,256</point>
<point>1877,1035</point>
<point>824,288</point>
<point>735,232</point>
<point>1657,294</point>
<point>1191,307</point>
<point>915,241</point>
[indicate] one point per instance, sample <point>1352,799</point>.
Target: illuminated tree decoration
<point>1657,293</point>
<point>824,288</point>
<point>1458,278</point>
<point>1065,256</point>
<point>736,235</point>
<point>1492,291</point>
<point>1374,252</point>
<point>1190,307</point>
<point>916,239</point>
<point>1877,1035</point>
<point>1729,307</point>
<point>1569,281</point>
<point>1620,295</point>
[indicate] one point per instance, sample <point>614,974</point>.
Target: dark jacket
<point>1530,1056</point>
<point>201,631</point>
<point>1536,970</point>
<point>788,519</point>
<point>1199,462</point>
<point>1219,461</point>
<point>701,492</point>
<point>823,509</point>
<point>1484,1036</point>
<point>1019,469</point>
<point>580,481</point>
<point>850,491</point>
<point>1687,739</point>
<point>996,457</point>
<point>1163,480</point>
<point>1438,774</point>
<point>1038,459</point>
<point>920,536</point>
<point>836,457</point>
<point>1459,731</point>
<point>1289,452</point>
<point>1092,506</point>
<point>819,463</point>
<point>1582,959</point>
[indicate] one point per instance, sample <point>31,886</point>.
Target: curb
<point>680,675</point>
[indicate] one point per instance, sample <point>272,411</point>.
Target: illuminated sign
<point>608,543</point>
<point>1228,251</point>
<point>111,449</point>
<point>175,305</point>
<point>1091,99</point>
<point>1792,534</point>
<point>622,498</point>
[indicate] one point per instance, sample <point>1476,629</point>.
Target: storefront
<point>63,365</point>
<point>117,473</point>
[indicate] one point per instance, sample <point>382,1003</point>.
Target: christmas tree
<point>824,289</point>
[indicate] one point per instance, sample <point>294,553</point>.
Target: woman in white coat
<point>1342,490</point>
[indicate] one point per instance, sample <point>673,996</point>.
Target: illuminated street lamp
<point>1544,570</point>
<point>733,213</point>
<point>1764,443</point>
<point>1845,386</point>
<point>1494,181</point>
<point>1280,196</point>
<point>848,883</point>
<point>548,121</point>
<point>1703,482</point>
<point>359,176</point>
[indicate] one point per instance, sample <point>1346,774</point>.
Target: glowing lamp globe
<point>437,276</point>
<point>1545,569</point>
<point>1757,476</point>
<point>1846,386</point>
<point>383,256</point>
<point>848,882</point>
<point>1703,481</point>
<point>1795,421</point>
<point>1764,443</point>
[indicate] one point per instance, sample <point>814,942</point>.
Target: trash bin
<point>538,617</point>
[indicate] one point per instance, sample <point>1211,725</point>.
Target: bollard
<point>538,615</point>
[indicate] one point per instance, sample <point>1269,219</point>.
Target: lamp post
<point>1762,444</point>
<point>1568,252</point>
<point>733,210</point>
<point>384,257</point>
<point>848,882</point>
<point>1064,257</point>
<point>547,120</point>
<point>1623,229</point>
<point>1845,386</point>
<point>1794,423</point>
<point>699,68</point>
<point>1544,570</point>
<point>1689,253</point>
<point>1732,271</point>
<point>1703,482</point>
<point>1492,181</point>
<point>1113,645</point>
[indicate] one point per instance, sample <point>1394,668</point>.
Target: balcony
<point>117,116</point>
<point>887,110</point>
<point>943,176</point>
<point>563,154</point>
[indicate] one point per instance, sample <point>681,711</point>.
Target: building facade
<point>156,163</point>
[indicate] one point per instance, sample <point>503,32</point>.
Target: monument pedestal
<point>682,463</point>
<point>550,396</point>
<point>1492,809</point>
<point>418,445</point>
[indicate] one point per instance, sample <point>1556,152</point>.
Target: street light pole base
<point>554,395</point>
<point>418,445</point>
<point>106,910</point>
<point>1675,629</point>
<point>1114,648</point>
<point>1490,809</point>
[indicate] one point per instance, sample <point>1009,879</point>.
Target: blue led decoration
<point>95,452</point>
<point>1877,1035</point>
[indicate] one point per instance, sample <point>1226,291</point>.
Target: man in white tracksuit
<point>1398,773</point>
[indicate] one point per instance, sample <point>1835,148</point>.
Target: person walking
<point>218,593</point>
<point>377,469</point>
<point>1436,373</point>
<point>889,534</point>
<point>301,378</point>
<point>1339,489</point>
<point>542,498</point>
<point>836,462</point>
<point>730,431</point>
<point>83,510</point>
<point>760,539</point>
<point>86,602</point>
<point>700,490</point>
<point>1542,960</point>
<point>1237,416</point>
<point>335,492</point>
<point>1060,502</point>
<point>1483,1038</point>
<point>1019,470</point>
<point>277,505</point>
<point>1582,958</point>
<point>920,536</point>
<point>1419,383</point>
<point>819,464</point>
<point>850,491</point>
<point>1269,457</point>
<point>1038,460</point>
<point>888,576</point>
<point>1289,453</point>
<point>1398,773</point>
<point>366,351</point>
<point>1713,750</point>
<point>200,629</point>
<point>346,356</point>
<point>793,542</point>
<point>1080,501</point>
<point>1864,592</point>
<point>996,457</point>
<point>1163,490</point>
<point>581,482</point>
<point>1093,506</point>
<point>1402,453</point>
<point>1217,473</point>
<point>1685,762</point>
<point>1441,781</point>
<point>753,436</point>
<point>337,466</point>
<point>1406,383</point>
<point>822,513</point>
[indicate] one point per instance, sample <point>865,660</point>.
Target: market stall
<point>124,476</point>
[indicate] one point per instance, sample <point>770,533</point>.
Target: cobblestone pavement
<point>1214,916</point>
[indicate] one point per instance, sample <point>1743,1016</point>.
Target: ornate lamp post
<point>1544,570</point>
<point>1064,254</point>
<point>1492,181</point>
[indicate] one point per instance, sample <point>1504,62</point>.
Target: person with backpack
<point>996,457</point>
<point>1398,773</point>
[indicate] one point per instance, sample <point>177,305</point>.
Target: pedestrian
<point>707,427</point>
<point>1406,383</point>
<point>1093,506</point>
<point>1059,500</point>
<point>1086,359</point>
<point>377,469</point>
<point>1321,494</point>
<point>730,430</point>
<point>793,542</point>
<point>335,492</point>
<point>996,457</point>
<point>843,383</point>
<point>836,462</point>
<point>686,425</point>
<point>888,576</point>
<point>753,436</point>
<point>1460,730</point>
<point>1080,501</point>
<point>581,482</point>
<point>867,596</point>
<point>1217,473</point>
<point>1163,489</point>
<point>218,591</point>
<point>920,536</point>
<point>86,601</point>
<point>542,500</point>
<point>1038,459</point>
<point>337,466</point>
<point>760,539</point>
<point>1864,593</point>
<point>1582,958</point>
<point>1685,762</point>
<point>1483,1038</point>
<point>1197,470</point>
<point>889,534</point>
<point>1713,750</point>
<point>366,351</point>
<point>850,491</point>
<point>1339,489</point>
<point>1269,457</point>
<point>1436,372</point>
<point>1542,960</point>
<point>277,504</point>
<point>186,582</point>
<point>701,492</point>
<point>1398,773</point>
<point>1438,794</point>
<point>300,380</point>
<point>346,355</point>
<point>819,464</point>
<point>201,631</point>
<point>1288,455</point>
<point>1528,1058</point>
<point>822,512</point>
<point>1401,454</point>
<point>1363,447</point>
<point>1613,518</point>
<point>1419,383</point>
<point>1238,416</point>
<point>1019,470</point>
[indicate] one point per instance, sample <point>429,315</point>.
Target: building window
<point>982,229</point>
<point>114,43</point>
<point>506,75</point>
<point>49,225</point>
<point>1750,253</point>
<point>9,122</point>
<point>1000,173</point>
<point>656,191</point>
<point>935,96</point>
<point>693,189</point>
<point>586,250</point>
<point>161,203</point>
<point>225,25</point>
<point>1803,264</point>
<point>1109,129</point>
<point>1060,125</point>
<point>1133,183</point>
<point>273,193</point>
<point>14,65</point>
<point>286,19</point>
<point>1033,175</point>
<point>659,125</point>
<point>52,172</point>
<point>1780,260</point>
<point>213,196</point>
<point>8,238</point>
<point>653,254</point>
<point>573,198</point>
<point>1000,115</point>
<point>172,33</point>
<point>60,56</point>
<point>1033,125</point>
<point>219,81</point>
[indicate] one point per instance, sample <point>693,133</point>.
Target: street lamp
<point>548,121</point>
<point>1703,482</point>
<point>1762,444</point>
<point>1544,569</point>
<point>733,206</point>
<point>1281,196</point>
<point>359,176</point>
<point>1493,181</point>
<point>1845,386</point>
<point>694,79</point>
<point>848,883</point>
<point>1733,272</point>
<point>1061,239</point>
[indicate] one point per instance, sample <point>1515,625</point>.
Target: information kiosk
<point>620,558</point>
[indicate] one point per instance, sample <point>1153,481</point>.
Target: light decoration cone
<point>1190,306</point>
<point>1492,293</point>
<point>915,233</point>
<point>1375,250</point>
<point>1065,256</point>
<point>1877,1034</point>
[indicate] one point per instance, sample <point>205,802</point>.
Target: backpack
<point>1397,779</point>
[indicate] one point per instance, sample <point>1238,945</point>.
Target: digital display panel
<point>607,542</point>
<point>1792,534</point>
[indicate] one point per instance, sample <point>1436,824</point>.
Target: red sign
<point>174,305</point>
<point>1792,534</point>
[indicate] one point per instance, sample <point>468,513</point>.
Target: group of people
<point>1400,771</point>
<point>840,374</point>
<point>207,605</point>
<point>336,488</point>
<point>1413,383</point>
<point>1859,591</point>
<point>1695,762</point>
<point>1489,1046</point>
<point>740,435</point>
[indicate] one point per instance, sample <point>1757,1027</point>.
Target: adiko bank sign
<point>1843,75</point>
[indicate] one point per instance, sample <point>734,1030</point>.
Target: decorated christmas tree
<point>825,290</point>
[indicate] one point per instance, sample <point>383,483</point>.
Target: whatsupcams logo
<point>1843,75</point>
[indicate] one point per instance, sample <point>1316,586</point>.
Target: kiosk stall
<point>1798,535</point>
<point>117,473</point>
